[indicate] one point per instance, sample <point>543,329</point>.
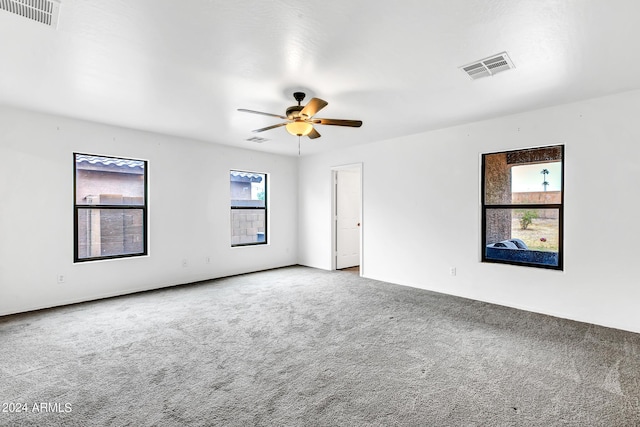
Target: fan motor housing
<point>293,112</point>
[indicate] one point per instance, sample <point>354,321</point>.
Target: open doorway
<point>347,218</point>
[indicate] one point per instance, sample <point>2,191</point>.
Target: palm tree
<point>544,173</point>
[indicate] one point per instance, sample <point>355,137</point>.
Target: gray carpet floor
<point>303,347</point>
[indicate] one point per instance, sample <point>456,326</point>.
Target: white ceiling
<point>184,67</point>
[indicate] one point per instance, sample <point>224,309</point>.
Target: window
<point>110,208</point>
<point>522,207</point>
<point>248,208</point>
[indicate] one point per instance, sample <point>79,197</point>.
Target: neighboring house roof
<point>237,176</point>
<point>85,161</point>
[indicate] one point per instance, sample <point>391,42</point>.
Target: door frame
<point>334,229</point>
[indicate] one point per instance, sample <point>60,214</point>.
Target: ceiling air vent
<point>257,139</point>
<point>488,66</point>
<point>43,11</point>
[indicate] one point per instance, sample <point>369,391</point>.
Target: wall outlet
<point>185,263</point>
<point>452,271</point>
<point>207,260</point>
<point>61,278</point>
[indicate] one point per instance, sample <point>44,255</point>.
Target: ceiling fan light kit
<point>299,119</point>
<point>299,128</point>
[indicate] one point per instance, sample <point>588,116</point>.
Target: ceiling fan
<point>300,120</point>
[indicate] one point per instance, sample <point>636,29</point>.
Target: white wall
<point>599,283</point>
<point>188,211</point>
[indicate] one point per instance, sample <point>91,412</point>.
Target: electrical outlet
<point>61,278</point>
<point>185,263</point>
<point>207,260</point>
<point>452,271</point>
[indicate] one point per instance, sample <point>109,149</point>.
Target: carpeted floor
<point>304,347</point>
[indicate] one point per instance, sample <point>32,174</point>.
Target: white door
<point>347,218</point>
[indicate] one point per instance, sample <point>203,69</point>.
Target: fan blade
<point>260,112</point>
<point>337,122</point>
<point>315,105</point>
<point>314,134</point>
<point>269,127</point>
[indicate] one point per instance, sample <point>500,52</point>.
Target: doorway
<point>347,218</point>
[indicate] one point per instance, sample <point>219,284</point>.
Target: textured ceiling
<point>184,67</point>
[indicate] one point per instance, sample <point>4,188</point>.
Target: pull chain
<point>298,145</point>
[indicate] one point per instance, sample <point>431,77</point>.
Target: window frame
<point>531,206</point>
<point>78,207</point>
<point>258,208</point>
